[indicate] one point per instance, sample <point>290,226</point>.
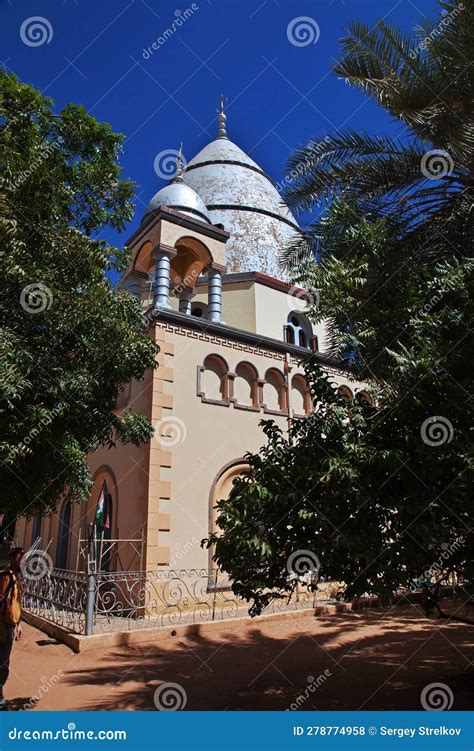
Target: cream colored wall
<point>272,308</point>
<point>215,435</point>
<point>212,436</point>
<point>255,307</point>
<point>163,491</point>
<point>238,304</point>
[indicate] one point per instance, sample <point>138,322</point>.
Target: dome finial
<point>222,130</point>
<point>178,176</point>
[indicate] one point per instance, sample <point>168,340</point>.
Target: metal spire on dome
<point>222,119</point>
<point>178,176</point>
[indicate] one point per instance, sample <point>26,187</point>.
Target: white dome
<point>182,198</point>
<point>239,195</point>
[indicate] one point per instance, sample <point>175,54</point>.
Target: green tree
<point>377,495</point>
<point>68,339</point>
<point>424,178</point>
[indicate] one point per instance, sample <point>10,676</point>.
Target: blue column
<point>214,291</point>
<point>161,288</point>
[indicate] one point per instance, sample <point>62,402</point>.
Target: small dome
<point>182,198</point>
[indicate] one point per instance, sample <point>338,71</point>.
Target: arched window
<point>35,528</point>
<point>300,396</point>
<point>345,393</point>
<point>199,309</point>
<point>274,391</point>
<point>64,529</point>
<point>298,330</point>
<point>363,397</point>
<point>214,379</point>
<point>245,391</point>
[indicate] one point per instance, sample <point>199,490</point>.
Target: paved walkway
<point>367,660</point>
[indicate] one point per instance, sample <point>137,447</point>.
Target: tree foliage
<point>424,177</point>
<point>68,339</point>
<point>378,494</point>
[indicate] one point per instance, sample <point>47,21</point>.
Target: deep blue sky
<point>279,94</point>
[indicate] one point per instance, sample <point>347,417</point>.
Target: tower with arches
<point>232,335</point>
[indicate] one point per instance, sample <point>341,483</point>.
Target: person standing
<point>10,614</point>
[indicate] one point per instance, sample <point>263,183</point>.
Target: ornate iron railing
<point>58,596</point>
<point>125,601</point>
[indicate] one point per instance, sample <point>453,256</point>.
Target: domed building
<point>232,332</point>
<point>241,197</point>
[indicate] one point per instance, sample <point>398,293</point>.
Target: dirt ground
<point>357,660</point>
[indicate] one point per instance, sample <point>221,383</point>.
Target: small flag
<point>102,511</point>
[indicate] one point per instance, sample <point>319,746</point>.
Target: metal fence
<point>125,601</point>
<point>58,596</point>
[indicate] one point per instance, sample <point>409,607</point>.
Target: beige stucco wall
<point>162,490</point>
<point>238,304</point>
<point>211,437</point>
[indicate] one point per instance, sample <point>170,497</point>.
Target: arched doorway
<point>220,489</point>
<point>106,528</point>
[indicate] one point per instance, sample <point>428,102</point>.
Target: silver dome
<point>182,198</point>
<point>243,198</point>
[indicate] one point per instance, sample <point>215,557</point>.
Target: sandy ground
<point>373,660</point>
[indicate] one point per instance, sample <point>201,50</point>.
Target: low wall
<point>152,635</point>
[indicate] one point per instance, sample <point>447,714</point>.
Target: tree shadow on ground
<point>373,660</point>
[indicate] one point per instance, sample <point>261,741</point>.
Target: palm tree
<point>425,178</point>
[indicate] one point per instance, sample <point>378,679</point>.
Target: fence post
<point>91,569</point>
<point>90,600</point>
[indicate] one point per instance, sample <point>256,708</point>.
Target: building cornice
<point>222,330</point>
<point>175,217</point>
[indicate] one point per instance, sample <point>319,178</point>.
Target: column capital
<point>189,292</point>
<point>161,248</point>
<point>217,267</point>
<point>186,294</point>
